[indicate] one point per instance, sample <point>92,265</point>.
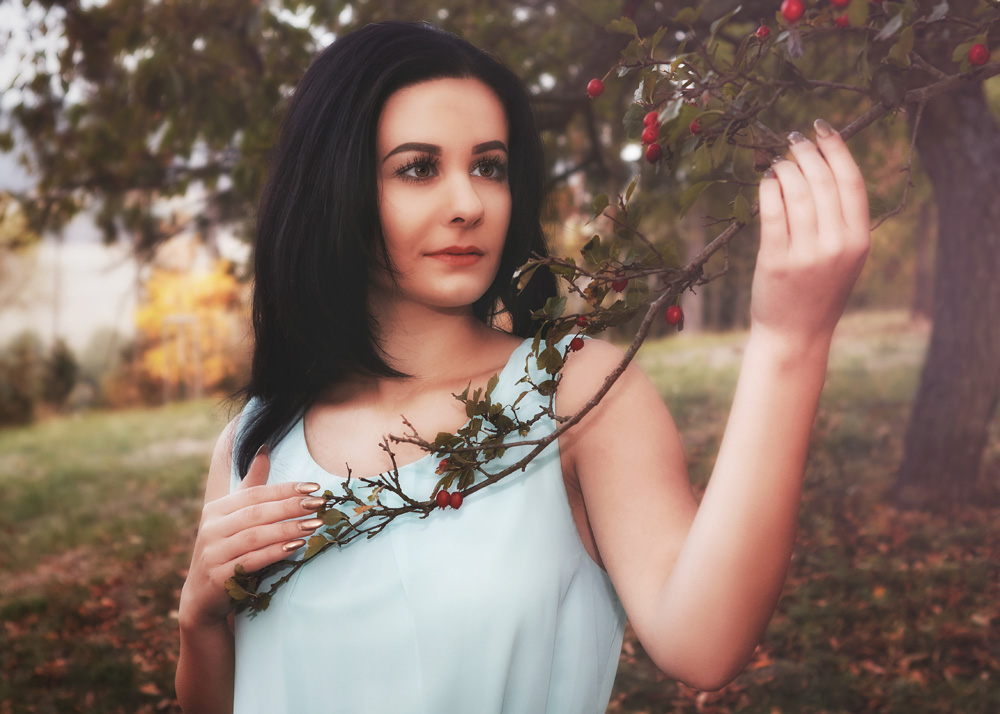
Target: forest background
<point>891,605</point>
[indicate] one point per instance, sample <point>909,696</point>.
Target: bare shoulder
<point>587,370</point>
<point>219,471</point>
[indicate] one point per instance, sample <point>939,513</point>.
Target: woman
<point>403,194</point>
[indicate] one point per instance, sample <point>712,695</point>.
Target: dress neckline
<point>300,428</point>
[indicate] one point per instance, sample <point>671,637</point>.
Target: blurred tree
<point>190,325</point>
<point>152,98</point>
<point>16,238</point>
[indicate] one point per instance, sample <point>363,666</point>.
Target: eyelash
<point>497,164</point>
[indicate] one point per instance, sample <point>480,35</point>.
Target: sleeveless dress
<point>492,608</point>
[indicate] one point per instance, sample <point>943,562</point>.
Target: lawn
<point>884,610</point>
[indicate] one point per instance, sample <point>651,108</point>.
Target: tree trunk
<point>958,143</point>
<point>922,303</point>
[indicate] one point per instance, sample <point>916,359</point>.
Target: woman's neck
<point>432,345</point>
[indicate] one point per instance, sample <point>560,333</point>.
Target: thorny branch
<point>463,452</point>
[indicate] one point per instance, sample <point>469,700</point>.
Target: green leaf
<point>565,271</point>
<point>236,591</point>
<point>722,21</point>
<point>864,69</point>
<point>656,39</point>
<point>899,53</point>
<point>525,275</point>
<point>632,121</point>
<point>961,52</point>
<point>313,546</point>
<point>592,252</point>
<point>547,388</point>
<point>333,516</point>
<point>691,195</point>
<point>492,384</point>
<point>601,202</point>
<point>857,12</point>
<point>550,360</point>
<point>741,209</point>
<point>636,294</point>
<point>554,307</point>
<point>688,15</point>
<point>633,54</point>
<point>631,188</point>
<point>887,86</point>
<point>622,25</point>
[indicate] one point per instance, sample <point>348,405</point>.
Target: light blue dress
<point>492,608</point>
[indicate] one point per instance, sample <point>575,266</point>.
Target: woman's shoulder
<point>586,371</point>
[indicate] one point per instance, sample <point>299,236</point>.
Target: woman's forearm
<point>205,668</point>
<point>729,574</point>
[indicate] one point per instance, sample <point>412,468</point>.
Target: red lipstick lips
<point>457,255</point>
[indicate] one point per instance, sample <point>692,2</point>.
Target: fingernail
<point>308,487</point>
<point>264,450</point>
<point>769,173</point>
<point>311,504</point>
<point>776,159</point>
<point>293,545</point>
<point>823,128</point>
<point>310,524</point>
<point>794,138</point>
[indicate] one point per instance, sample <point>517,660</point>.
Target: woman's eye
<point>490,169</point>
<point>420,171</point>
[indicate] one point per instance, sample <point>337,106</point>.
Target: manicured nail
<point>795,137</point>
<point>776,159</point>
<point>769,173</point>
<point>264,450</point>
<point>823,128</point>
<point>293,545</point>
<point>311,504</point>
<point>310,524</point>
<point>305,488</point>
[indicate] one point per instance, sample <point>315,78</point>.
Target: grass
<point>884,610</point>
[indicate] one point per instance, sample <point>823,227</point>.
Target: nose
<point>465,206</point>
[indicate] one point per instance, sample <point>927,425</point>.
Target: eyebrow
<point>435,150</point>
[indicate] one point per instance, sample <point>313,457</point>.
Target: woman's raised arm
<point>700,585</point>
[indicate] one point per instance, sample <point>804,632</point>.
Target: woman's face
<point>444,197</point>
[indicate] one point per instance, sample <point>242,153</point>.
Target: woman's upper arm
<point>627,457</point>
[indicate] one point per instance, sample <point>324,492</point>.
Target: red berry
<point>793,10</point>
<point>582,321</point>
<point>651,119</point>
<point>650,134</point>
<point>595,88</point>
<point>840,4</point>
<point>619,285</point>
<point>978,55</point>
<point>763,32</point>
<point>842,21</point>
<point>674,315</point>
<point>443,466</point>
<point>696,127</point>
<point>576,344</point>
<point>456,499</point>
<point>653,153</point>
<point>443,498</point>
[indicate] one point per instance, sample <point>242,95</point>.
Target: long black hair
<point>318,228</point>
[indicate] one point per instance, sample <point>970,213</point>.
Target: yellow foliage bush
<point>191,326</point>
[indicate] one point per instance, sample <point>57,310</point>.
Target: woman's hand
<point>814,238</point>
<point>254,526</point>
